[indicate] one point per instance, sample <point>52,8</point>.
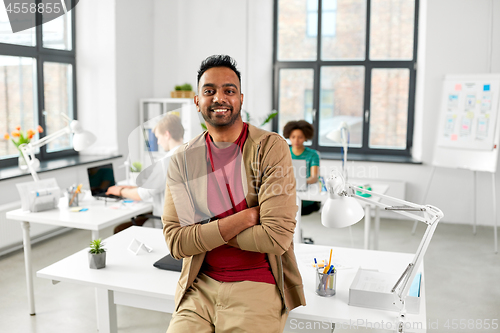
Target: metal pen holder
<point>326,283</point>
<point>72,199</point>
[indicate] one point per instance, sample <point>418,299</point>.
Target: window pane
<point>58,95</point>
<point>297,29</point>
<point>343,29</point>
<point>391,29</point>
<point>57,33</point>
<point>389,108</point>
<point>295,95</point>
<point>341,98</point>
<point>17,99</point>
<point>26,37</point>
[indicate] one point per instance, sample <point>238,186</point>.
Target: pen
<point>325,278</point>
<point>330,261</point>
<point>327,265</point>
<point>331,278</point>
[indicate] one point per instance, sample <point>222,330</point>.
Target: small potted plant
<point>97,254</point>
<point>183,91</point>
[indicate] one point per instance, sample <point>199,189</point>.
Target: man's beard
<point>211,117</point>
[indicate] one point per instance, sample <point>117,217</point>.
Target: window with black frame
<point>351,61</point>
<point>37,85</point>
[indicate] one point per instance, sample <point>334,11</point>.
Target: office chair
<point>139,220</point>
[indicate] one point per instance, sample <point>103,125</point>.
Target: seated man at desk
<point>169,133</point>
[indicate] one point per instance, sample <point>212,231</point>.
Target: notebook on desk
<point>100,179</point>
<point>169,263</point>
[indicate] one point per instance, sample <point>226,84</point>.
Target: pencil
<point>329,263</point>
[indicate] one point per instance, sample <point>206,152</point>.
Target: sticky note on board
<point>458,87</point>
<point>470,115</point>
<point>454,137</point>
<point>486,87</point>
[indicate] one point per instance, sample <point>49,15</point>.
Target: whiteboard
<point>468,127</point>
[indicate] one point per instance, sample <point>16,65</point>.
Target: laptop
<point>100,179</point>
<point>300,170</point>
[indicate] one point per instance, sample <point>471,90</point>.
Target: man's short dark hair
<point>219,60</point>
<point>302,125</point>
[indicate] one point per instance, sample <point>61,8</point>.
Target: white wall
<point>96,73</point>
<point>186,32</point>
<point>134,64</point>
<point>115,69</point>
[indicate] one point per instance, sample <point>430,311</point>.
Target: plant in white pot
<point>97,254</point>
<point>135,170</point>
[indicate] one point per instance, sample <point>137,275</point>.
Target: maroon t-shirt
<point>226,197</point>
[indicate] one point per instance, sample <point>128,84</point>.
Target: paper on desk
<point>123,205</point>
<point>375,281</point>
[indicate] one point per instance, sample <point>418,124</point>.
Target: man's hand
<point>114,190</point>
<point>251,216</point>
<point>231,226</point>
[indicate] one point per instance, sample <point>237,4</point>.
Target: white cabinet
<point>151,111</point>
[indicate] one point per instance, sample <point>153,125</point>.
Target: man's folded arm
<point>184,237</point>
<point>277,203</point>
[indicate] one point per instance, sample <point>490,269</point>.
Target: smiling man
<point>230,214</point>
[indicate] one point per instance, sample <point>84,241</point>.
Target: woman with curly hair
<point>298,132</point>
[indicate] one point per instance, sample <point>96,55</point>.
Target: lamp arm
<point>353,190</point>
<point>404,282</point>
<point>28,156</point>
<point>430,215</point>
<point>43,141</point>
<point>402,210</point>
<point>27,149</point>
<point>344,132</point>
<point>402,286</point>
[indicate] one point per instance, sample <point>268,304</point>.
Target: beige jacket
<point>270,184</point>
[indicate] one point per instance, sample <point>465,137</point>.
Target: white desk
<point>133,281</point>
<point>98,217</point>
<point>313,194</point>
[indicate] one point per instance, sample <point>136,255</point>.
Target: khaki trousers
<point>213,306</point>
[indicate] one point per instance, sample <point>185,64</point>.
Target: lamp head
<point>339,134</point>
<point>340,210</point>
<point>81,138</point>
